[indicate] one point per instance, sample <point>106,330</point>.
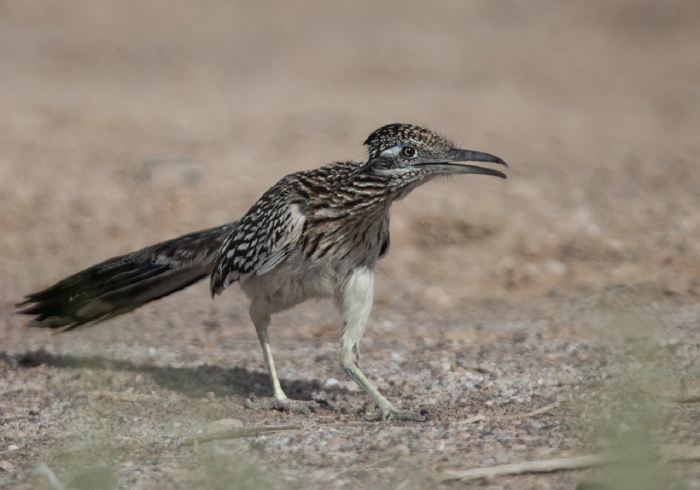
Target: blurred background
<point>126,123</point>
<point>129,122</point>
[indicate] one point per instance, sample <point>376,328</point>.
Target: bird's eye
<point>408,152</point>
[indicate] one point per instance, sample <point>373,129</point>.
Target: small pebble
<point>396,357</point>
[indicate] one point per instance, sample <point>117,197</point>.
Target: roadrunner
<point>315,234</point>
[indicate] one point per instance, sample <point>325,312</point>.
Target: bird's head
<point>411,154</point>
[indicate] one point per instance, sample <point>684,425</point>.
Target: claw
<point>283,404</point>
<point>390,413</point>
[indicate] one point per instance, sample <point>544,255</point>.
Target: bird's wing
<point>262,239</point>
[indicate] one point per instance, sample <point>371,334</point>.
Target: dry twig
<point>685,399</point>
<point>538,411</point>
<point>668,454</point>
<point>235,433</point>
<point>546,466</point>
<point>479,417</point>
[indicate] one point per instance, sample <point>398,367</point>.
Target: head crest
<point>393,134</point>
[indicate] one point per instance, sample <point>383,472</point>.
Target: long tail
<point>124,283</point>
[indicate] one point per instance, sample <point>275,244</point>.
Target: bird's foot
<point>285,404</point>
<point>389,413</point>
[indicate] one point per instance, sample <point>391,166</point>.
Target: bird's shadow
<point>193,382</point>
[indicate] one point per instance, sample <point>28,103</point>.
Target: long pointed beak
<point>449,164</point>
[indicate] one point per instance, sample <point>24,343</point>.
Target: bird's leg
<point>279,400</point>
<point>355,303</point>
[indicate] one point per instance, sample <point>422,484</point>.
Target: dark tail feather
<point>124,283</point>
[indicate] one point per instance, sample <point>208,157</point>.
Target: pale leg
<point>355,303</point>
<point>279,401</point>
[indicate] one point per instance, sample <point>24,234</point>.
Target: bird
<point>314,234</point>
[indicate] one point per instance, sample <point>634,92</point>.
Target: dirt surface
<point>573,285</point>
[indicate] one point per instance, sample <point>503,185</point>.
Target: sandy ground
<point>575,282</point>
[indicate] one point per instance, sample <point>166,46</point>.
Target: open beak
<point>450,165</point>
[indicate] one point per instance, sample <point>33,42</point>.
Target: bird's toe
<point>390,413</point>
<point>283,404</point>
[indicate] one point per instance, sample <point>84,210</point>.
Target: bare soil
<point>575,283</point>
